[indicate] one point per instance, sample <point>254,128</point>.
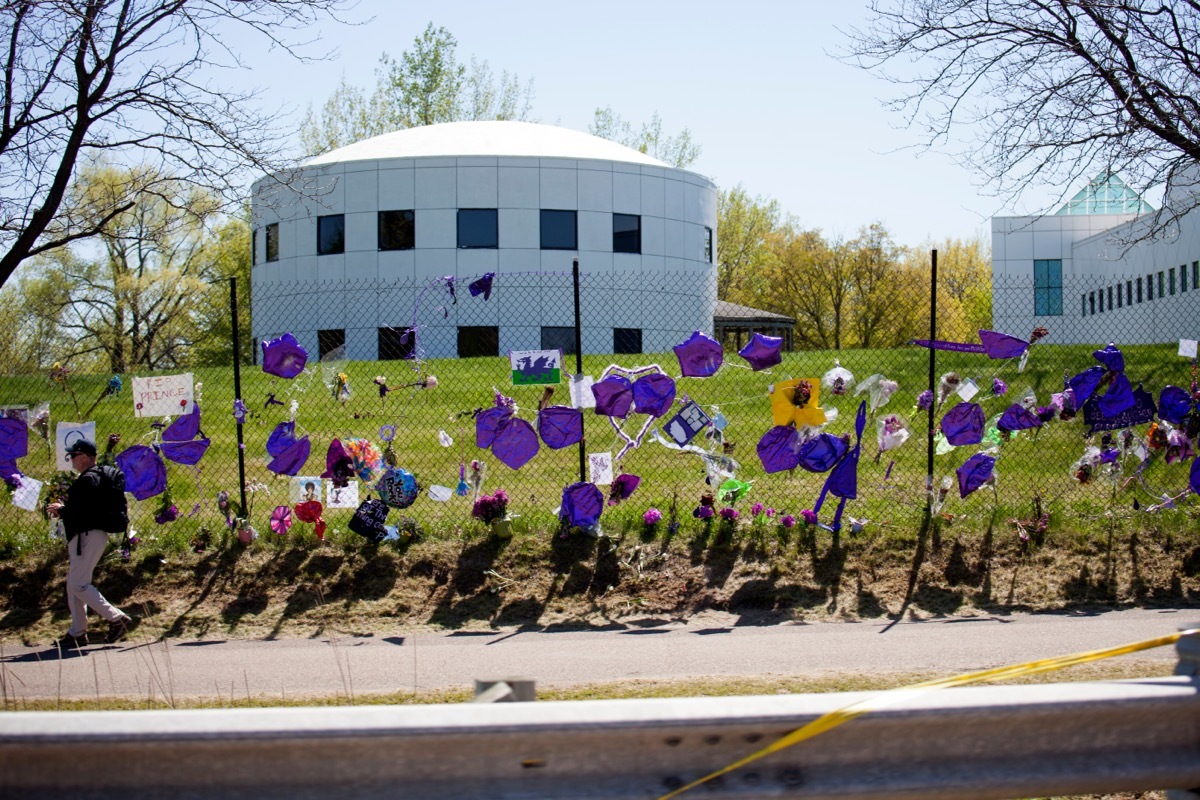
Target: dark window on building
<point>1182,278</point>
<point>253,247</point>
<point>708,255</point>
<point>1101,303</point>
<point>1047,287</point>
<point>1129,292</point>
<point>396,343</point>
<point>330,340</point>
<point>557,338</point>
<point>1110,302</point>
<point>331,235</point>
<point>477,228</point>
<point>476,341</point>
<point>1150,287</point>
<point>1139,290</point>
<point>627,341</point>
<point>397,230</point>
<point>1161,288</point>
<point>1195,275</point>
<point>559,231</point>
<point>627,234</point>
<point>1120,296</point>
<point>273,242</point>
<point>1171,281</point>
<point>1092,301</point>
<point>1083,304</point>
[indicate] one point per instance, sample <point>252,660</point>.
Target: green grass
<point>1029,464</point>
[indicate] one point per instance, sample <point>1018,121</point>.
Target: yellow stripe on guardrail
<point>843,715</point>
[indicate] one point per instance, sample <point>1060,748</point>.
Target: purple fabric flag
<point>653,394</point>
<point>1084,384</point>
<point>956,347</point>
<point>482,286</point>
<point>1017,418</point>
<point>184,427</point>
<point>339,466</point>
<point>1002,345</point>
<point>283,437</point>
<point>820,453</point>
<point>145,472</point>
<point>974,472</point>
<point>700,356</point>
<point>488,424</point>
<point>515,443</point>
<point>292,459</point>
<point>964,424</point>
<point>185,453</point>
<point>1174,404</point>
<point>284,357</point>
<point>398,488</point>
<point>778,449</point>
<point>581,505</point>
<point>614,396</point>
<point>843,480</point>
<point>762,351</point>
<point>560,426</point>
<point>622,488</point>
<point>14,438</point>
<point>1111,357</point>
<point>1118,398</point>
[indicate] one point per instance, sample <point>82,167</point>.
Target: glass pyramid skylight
<point>1106,194</point>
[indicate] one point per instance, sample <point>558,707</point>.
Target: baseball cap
<point>85,446</point>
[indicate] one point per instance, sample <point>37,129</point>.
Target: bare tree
<point>130,81</point>
<point>1056,91</point>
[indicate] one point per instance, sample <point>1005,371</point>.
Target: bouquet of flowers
<point>491,507</point>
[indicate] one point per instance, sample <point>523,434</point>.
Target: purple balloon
<point>14,439</point>
<point>974,472</point>
<point>622,488</point>
<point>284,357</point>
<point>292,459</point>
<point>185,427</point>
<point>1194,476</point>
<point>339,466</point>
<point>1174,404</point>
<point>560,426</point>
<point>145,472</point>
<point>515,443</point>
<point>762,351</point>
<point>488,424</point>
<point>1118,398</point>
<point>283,437</point>
<point>700,356</point>
<point>653,394</point>
<point>482,286</point>
<point>1018,418</point>
<point>963,424</point>
<point>843,479</point>
<point>581,505</point>
<point>614,396</point>
<point>1111,357</point>
<point>820,453</point>
<point>778,449</point>
<point>1002,345</point>
<point>185,453</point>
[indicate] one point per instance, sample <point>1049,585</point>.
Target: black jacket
<point>96,500</point>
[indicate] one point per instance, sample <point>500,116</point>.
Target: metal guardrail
<point>990,742</point>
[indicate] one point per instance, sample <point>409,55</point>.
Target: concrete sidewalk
<point>711,645</point>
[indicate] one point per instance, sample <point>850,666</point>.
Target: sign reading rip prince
<point>162,396</point>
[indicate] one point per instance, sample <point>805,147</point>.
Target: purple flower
<point>729,513</point>
<point>652,516</point>
<point>756,509</point>
<point>1046,413</point>
<point>999,387</point>
<point>167,515</point>
<point>703,512</point>
<point>925,400</point>
<point>770,512</point>
<point>809,516</point>
<point>787,521</point>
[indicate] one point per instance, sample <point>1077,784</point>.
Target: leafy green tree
<point>426,85</point>
<point>744,228</point>
<point>880,316</point>
<point>225,255</point>
<point>678,150</point>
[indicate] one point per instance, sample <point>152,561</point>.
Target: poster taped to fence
<point>600,468</point>
<point>65,435</point>
<point>163,395</point>
<point>341,496</point>
<point>536,367</point>
<point>581,391</point>
<point>26,494</point>
<point>1187,348</point>
<point>305,488</point>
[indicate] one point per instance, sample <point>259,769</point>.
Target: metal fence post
<point>237,388</point>
<point>579,363</point>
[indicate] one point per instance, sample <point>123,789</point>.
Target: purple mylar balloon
<point>622,488</point>
<point>1085,383</point>
<point>1118,398</point>
<point>560,426</point>
<point>843,479</point>
<point>700,356</point>
<point>515,443</point>
<point>820,453</point>
<point>963,424</point>
<point>974,472</point>
<point>1017,418</point>
<point>1002,345</point>
<point>581,505</point>
<point>614,396</point>
<point>762,351</point>
<point>185,453</point>
<point>1194,476</point>
<point>339,466</point>
<point>292,459</point>
<point>283,437</point>
<point>1111,357</point>
<point>145,472</point>
<point>778,449</point>
<point>653,394</point>
<point>184,427</point>
<point>1174,404</point>
<point>482,286</point>
<point>14,439</point>
<point>284,357</point>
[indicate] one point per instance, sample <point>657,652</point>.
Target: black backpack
<point>113,515</point>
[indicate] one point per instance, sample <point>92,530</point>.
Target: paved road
<point>711,645</point>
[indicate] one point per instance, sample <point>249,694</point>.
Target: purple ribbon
<point>958,347</point>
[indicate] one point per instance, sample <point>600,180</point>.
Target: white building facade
<point>1087,275</point>
<point>350,250</point>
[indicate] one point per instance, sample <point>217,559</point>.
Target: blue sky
<point>753,81</point>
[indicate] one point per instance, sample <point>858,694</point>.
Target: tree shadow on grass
<point>212,573</point>
<point>30,596</point>
<point>465,596</point>
<point>721,557</point>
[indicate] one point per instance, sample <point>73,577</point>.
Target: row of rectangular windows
<point>477,228</point>
<point>1161,284</point>
<point>475,341</point>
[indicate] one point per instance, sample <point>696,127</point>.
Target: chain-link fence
<point>475,384</point>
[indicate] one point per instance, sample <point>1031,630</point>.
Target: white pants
<point>85,551</point>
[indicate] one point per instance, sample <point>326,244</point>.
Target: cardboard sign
<point>163,396</point>
<point>65,434</point>
<point>690,420</point>
<point>536,367</point>
<point>1142,410</point>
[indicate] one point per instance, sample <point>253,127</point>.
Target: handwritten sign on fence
<point>162,396</point>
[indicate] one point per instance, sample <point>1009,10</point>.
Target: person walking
<point>95,506</point>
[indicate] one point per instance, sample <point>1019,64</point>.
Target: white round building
<point>352,248</point>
